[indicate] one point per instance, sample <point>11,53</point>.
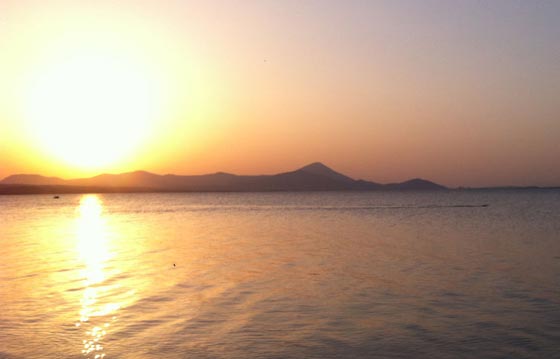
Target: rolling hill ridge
<point>313,177</point>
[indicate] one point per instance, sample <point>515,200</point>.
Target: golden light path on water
<point>92,244</point>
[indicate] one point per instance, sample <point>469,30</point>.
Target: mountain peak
<point>318,168</point>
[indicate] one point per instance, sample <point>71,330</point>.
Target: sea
<point>444,274</point>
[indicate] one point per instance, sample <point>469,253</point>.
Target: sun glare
<point>91,109</point>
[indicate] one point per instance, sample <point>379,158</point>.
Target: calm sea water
<point>287,275</point>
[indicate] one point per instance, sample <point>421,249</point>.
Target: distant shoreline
<point>15,189</point>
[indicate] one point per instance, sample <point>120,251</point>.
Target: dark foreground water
<point>289,275</point>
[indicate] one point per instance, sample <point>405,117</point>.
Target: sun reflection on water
<point>96,314</point>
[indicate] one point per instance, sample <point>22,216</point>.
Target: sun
<point>91,109</point>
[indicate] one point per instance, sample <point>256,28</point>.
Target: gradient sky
<point>464,93</point>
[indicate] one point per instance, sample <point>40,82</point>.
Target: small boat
<point>56,197</point>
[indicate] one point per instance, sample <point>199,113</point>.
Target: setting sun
<point>91,109</point>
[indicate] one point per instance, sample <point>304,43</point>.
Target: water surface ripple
<point>281,275</point>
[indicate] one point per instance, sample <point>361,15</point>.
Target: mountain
<point>317,168</point>
<point>313,177</point>
<point>32,180</point>
<point>417,184</point>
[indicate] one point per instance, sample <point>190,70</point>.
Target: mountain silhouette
<point>313,177</point>
<point>30,179</point>
<point>318,168</point>
<point>414,184</point>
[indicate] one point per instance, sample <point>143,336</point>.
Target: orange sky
<point>462,93</point>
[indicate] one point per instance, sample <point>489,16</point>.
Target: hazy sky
<point>459,92</point>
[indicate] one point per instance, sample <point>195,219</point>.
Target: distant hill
<point>32,180</point>
<point>313,177</point>
<point>417,184</point>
